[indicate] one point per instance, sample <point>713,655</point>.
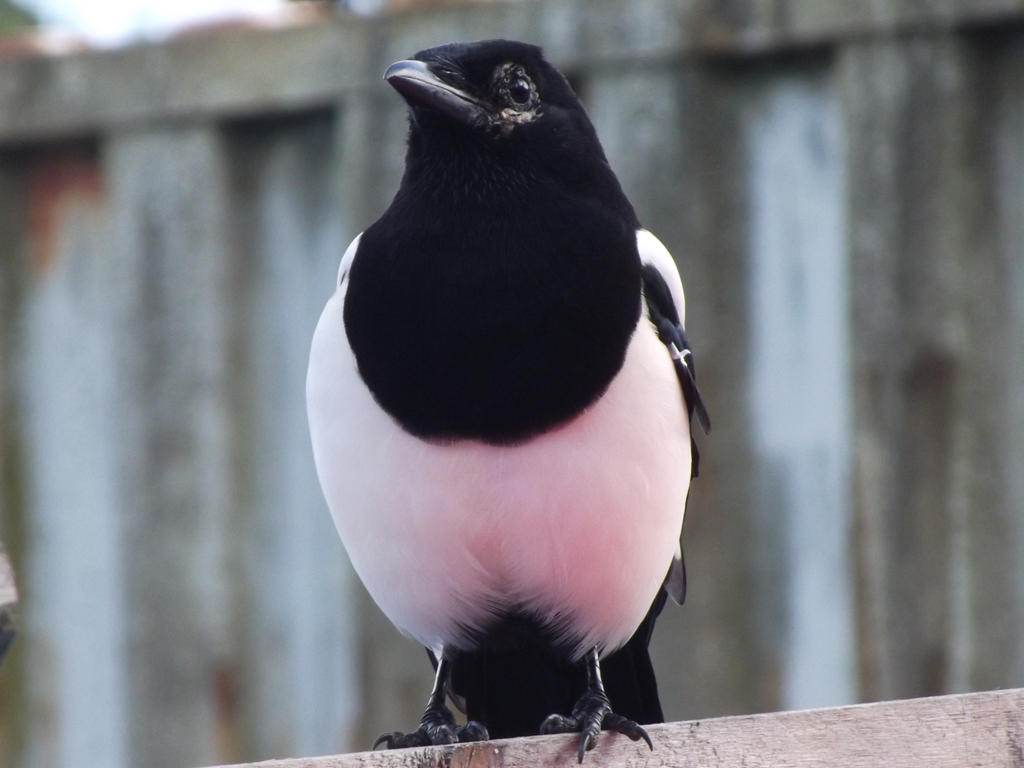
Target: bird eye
<point>519,90</point>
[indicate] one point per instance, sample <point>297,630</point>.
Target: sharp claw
<point>627,727</point>
<point>588,739</point>
<point>427,735</point>
<point>645,737</point>
<point>589,727</point>
<point>584,746</point>
<point>386,738</point>
<point>593,712</point>
<point>437,726</point>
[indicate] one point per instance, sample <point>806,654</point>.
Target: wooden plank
<point>316,59</point>
<point>974,729</point>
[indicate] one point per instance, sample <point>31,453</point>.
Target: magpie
<point>500,394</point>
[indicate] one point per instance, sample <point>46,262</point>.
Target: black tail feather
<point>516,678</point>
<point>511,691</point>
<point>629,675</point>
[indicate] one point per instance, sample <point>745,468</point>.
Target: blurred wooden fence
<point>843,186</point>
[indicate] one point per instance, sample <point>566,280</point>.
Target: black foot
<point>592,713</point>
<point>436,727</point>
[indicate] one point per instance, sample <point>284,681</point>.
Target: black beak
<point>422,88</point>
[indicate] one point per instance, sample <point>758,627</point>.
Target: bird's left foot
<point>592,713</point>
<point>437,726</point>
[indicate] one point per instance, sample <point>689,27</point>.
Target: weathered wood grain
<point>974,729</point>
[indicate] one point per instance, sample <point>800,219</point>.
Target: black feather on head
<point>501,102</point>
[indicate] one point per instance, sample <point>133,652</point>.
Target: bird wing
<point>666,309</point>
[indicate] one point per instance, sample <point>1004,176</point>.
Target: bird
<point>501,398</point>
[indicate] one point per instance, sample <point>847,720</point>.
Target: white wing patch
<point>653,252</point>
<point>348,258</point>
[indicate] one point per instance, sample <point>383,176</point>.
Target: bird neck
<point>460,168</point>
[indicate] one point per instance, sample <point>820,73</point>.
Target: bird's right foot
<point>437,726</point>
<point>592,713</point>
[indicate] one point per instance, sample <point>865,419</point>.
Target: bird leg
<point>437,726</point>
<point>593,712</point>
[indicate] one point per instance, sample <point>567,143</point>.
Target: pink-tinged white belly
<point>578,525</point>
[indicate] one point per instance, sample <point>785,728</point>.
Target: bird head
<point>492,86</point>
<point>503,102</point>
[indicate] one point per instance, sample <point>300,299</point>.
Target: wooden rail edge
<point>973,729</point>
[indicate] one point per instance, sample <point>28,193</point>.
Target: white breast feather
<point>579,525</point>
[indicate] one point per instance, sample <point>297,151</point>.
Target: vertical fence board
<point>288,235</point>
<point>1008,160</point>
<point>12,508</point>
<point>797,377</point>
<point>992,292</point>
<point>930,505</point>
<point>73,631</point>
<point>872,85</point>
<point>167,190</point>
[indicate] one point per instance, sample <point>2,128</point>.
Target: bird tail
<point>512,689</point>
<point>512,686</point>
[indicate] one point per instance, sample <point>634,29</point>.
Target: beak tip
<point>404,68</point>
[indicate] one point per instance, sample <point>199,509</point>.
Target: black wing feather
<point>662,312</point>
